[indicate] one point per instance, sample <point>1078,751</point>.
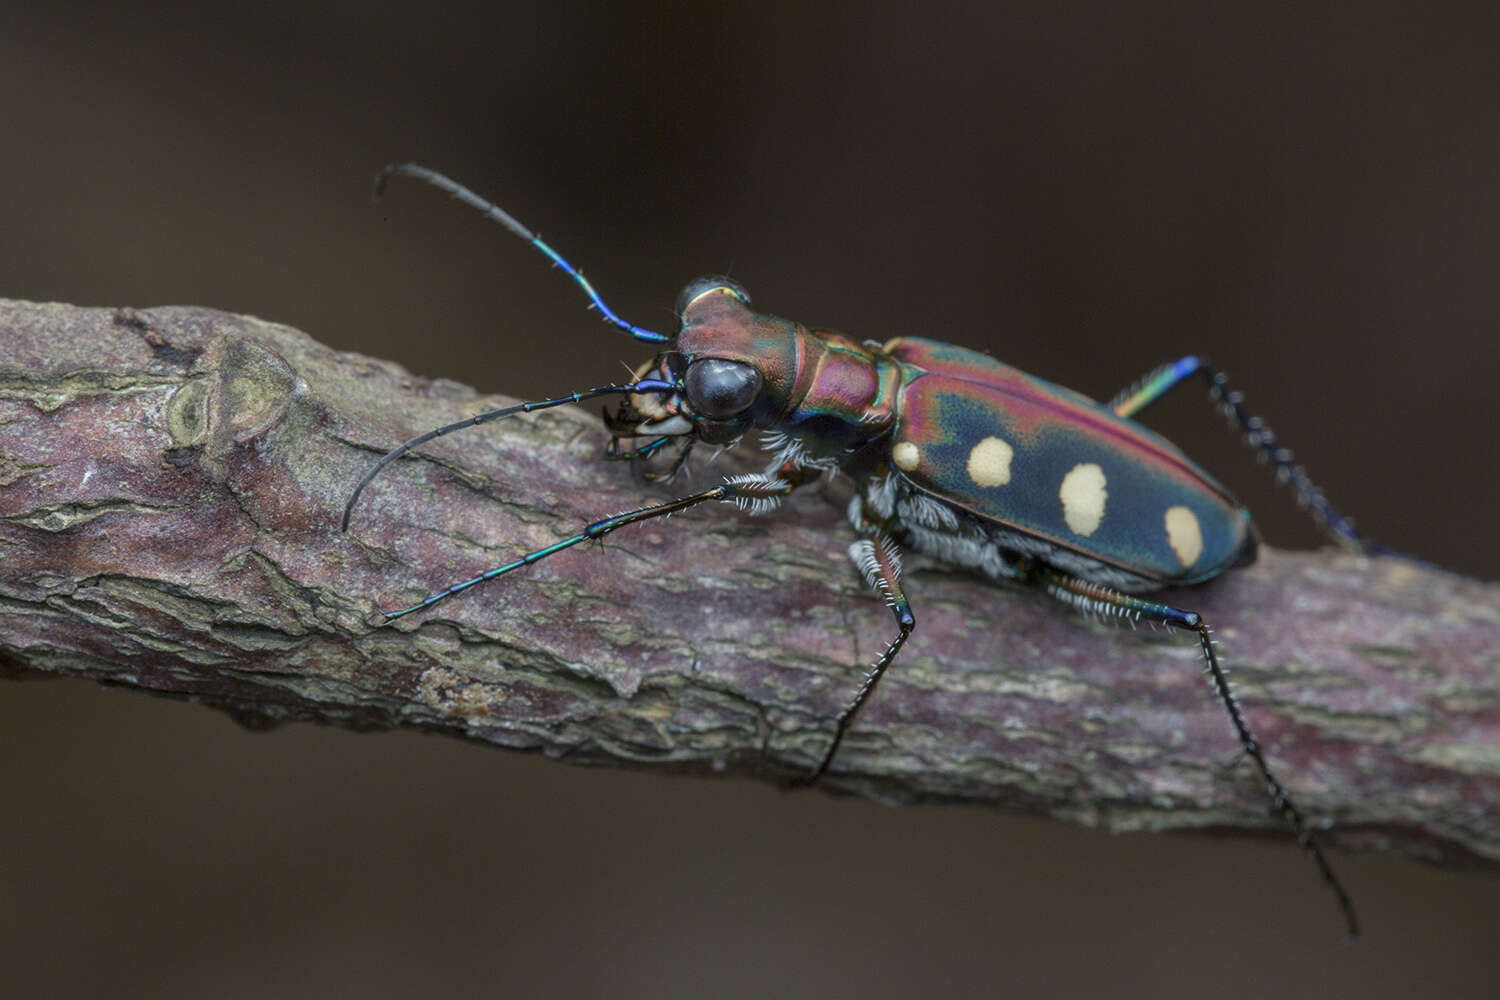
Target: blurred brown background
<point>1085,190</point>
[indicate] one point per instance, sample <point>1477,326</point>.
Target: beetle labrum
<point>953,454</point>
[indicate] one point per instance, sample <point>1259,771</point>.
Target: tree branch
<point>170,488</point>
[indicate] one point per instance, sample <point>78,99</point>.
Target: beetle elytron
<point>954,455</point>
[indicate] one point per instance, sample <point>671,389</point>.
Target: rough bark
<point>170,488</point>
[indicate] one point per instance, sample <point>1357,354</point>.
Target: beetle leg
<point>880,561</point>
<point>1257,434</point>
<point>1092,597</point>
<point>756,493</point>
<point>651,476</point>
<point>1153,385</point>
<point>615,452</point>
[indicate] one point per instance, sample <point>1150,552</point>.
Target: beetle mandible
<point>953,454</point>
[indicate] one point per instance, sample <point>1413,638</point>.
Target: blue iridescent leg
<point>498,214</point>
<point>613,452</point>
<point>1258,435</point>
<point>1153,385</point>
<point>1094,599</point>
<point>758,494</point>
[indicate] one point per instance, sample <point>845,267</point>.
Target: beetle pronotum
<point>953,455</point>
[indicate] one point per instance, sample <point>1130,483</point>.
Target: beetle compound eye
<point>700,286</point>
<point>719,389</point>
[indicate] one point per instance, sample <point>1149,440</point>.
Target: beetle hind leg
<point>879,561</point>
<point>1257,434</point>
<point>1094,598</point>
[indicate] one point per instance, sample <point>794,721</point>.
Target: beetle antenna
<point>643,385</point>
<point>498,214</point>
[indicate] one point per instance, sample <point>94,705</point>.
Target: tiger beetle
<point>953,455</point>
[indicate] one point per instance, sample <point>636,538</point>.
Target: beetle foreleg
<point>651,476</point>
<point>613,452</point>
<point>880,561</point>
<point>1095,598</point>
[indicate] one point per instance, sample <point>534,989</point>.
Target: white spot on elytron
<point>1083,496</point>
<point>989,462</point>
<point>1184,535</point>
<point>906,455</point>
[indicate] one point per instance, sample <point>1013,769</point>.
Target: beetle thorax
<point>823,395</point>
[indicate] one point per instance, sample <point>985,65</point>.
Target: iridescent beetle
<point>953,454</point>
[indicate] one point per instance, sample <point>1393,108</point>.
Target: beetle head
<point>733,368</point>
